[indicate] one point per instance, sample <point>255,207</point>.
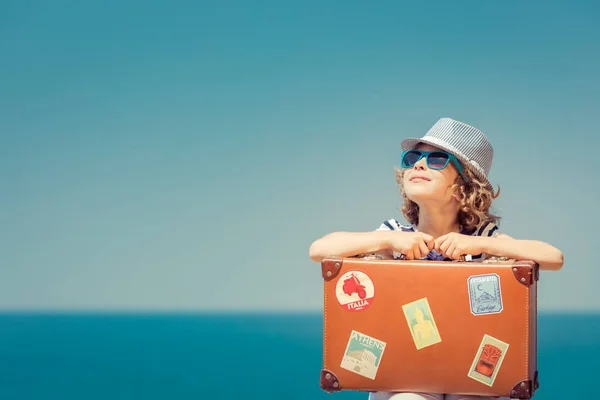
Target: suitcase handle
<point>464,257</point>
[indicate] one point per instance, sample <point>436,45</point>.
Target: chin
<point>420,187</point>
<point>418,195</point>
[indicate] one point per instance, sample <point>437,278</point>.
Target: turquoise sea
<point>225,356</point>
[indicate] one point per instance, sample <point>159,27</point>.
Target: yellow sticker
<point>421,323</point>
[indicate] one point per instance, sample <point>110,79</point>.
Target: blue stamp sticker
<point>484,294</point>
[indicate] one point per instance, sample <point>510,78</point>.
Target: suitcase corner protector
<point>330,267</point>
<point>523,390</point>
<point>329,381</point>
<point>526,272</point>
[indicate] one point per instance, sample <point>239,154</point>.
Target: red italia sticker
<point>355,291</point>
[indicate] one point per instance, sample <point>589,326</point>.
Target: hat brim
<point>412,143</point>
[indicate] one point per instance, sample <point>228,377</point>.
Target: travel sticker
<point>421,323</point>
<point>488,360</point>
<point>363,355</point>
<point>484,294</point>
<point>355,291</point>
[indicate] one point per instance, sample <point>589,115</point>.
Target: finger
<point>429,241</point>
<point>415,248</point>
<point>449,250</point>
<point>444,246</point>
<point>409,254</point>
<point>440,241</point>
<point>418,250</point>
<point>424,249</point>
<point>456,254</point>
<point>437,242</point>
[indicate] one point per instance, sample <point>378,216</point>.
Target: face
<point>423,184</point>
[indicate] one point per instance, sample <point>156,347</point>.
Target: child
<point>447,197</point>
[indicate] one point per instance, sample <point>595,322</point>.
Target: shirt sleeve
<point>389,225</point>
<point>490,229</point>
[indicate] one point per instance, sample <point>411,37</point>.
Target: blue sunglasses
<point>435,159</point>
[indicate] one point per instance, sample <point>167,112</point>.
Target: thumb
<point>438,242</point>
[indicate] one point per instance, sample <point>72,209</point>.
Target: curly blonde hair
<point>475,201</point>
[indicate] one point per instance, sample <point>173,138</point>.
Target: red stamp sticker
<point>488,360</point>
<point>355,291</point>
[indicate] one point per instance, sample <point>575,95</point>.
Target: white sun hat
<point>470,145</point>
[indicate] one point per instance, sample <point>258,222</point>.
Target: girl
<point>447,197</point>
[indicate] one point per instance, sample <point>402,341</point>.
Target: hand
<point>454,245</point>
<point>412,244</point>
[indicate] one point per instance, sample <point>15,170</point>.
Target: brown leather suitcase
<point>430,326</point>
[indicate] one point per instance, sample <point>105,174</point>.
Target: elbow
<point>558,260</point>
<point>315,252</point>
<point>554,260</point>
<point>322,247</point>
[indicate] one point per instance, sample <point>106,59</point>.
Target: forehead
<point>427,147</point>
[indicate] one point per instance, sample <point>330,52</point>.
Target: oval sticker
<point>355,291</point>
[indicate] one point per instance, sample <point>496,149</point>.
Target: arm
<point>347,244</point>
<point>546,255</point>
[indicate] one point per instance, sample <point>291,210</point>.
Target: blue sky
<point>184,155</point>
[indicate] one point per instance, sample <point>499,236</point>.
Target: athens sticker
<point>355,291</point>
<point>363,355</point>
<point>484,294</point>
<point>488,360</point>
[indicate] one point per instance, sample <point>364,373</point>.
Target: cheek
<point>443,179</point>
<point>447,178</point>
<point>450,174</point>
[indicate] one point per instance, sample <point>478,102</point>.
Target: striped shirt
<point>485,229</point>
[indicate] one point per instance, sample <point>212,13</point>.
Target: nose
<point>421,164</point>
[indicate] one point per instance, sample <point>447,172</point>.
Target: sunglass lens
<point>437,160</point>
<point>410,158</point>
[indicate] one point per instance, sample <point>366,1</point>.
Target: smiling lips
<point>419,178</point>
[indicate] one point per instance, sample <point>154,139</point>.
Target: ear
<point>456,192</point>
